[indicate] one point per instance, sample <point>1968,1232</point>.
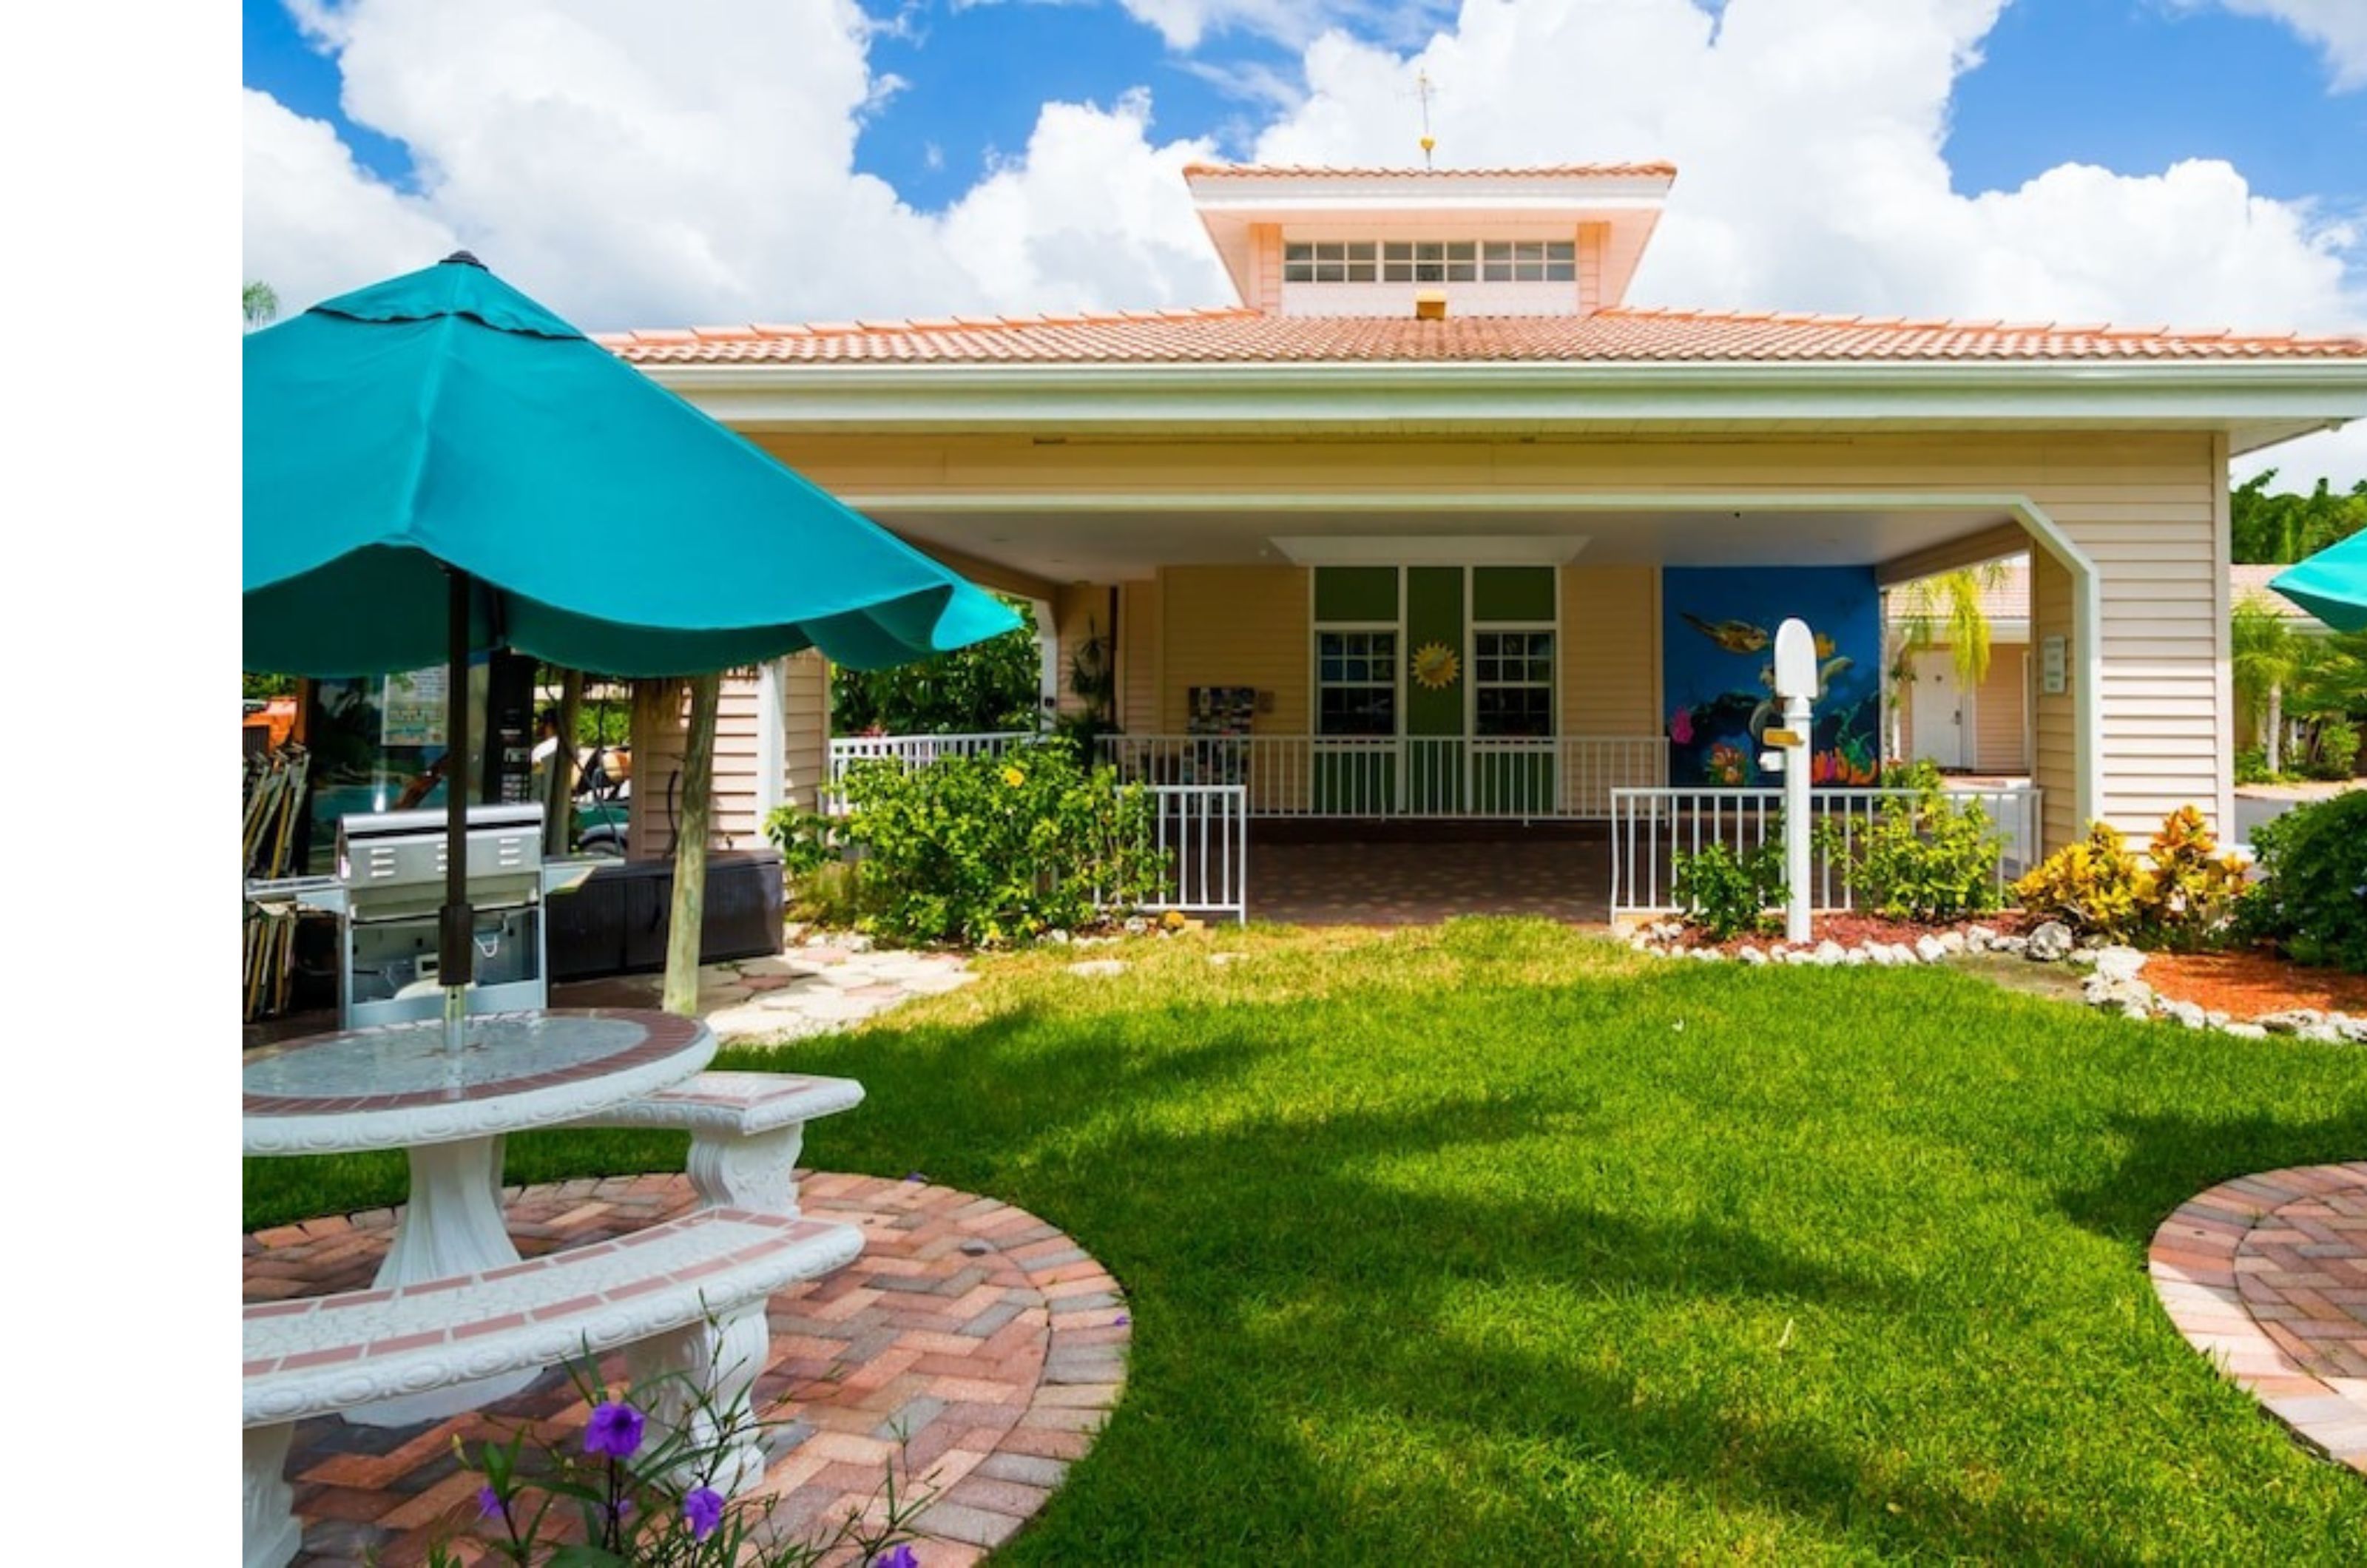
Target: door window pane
<point>1511,684</point>
<point>1356,682</point>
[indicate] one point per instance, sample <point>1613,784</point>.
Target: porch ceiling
<point>1097,544</point>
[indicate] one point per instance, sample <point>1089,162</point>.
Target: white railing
<point>916,750</point>
<point>1401,777</point>
<point>1201,833</point>
<point>1650,828</point>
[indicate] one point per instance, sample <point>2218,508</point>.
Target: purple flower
<point>614,1430</point>
<point>901,1557</point>
<point>489,1503</point>
<point>702,1509</point>
<point>1120,1321</point>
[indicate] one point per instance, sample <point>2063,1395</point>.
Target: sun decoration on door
<point>1435,666</point>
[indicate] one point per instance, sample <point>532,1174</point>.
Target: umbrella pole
<point>455,935</point>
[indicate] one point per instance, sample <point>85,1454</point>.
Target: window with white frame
<point>1511,682</point>
<point>1430,261</point>
<point>1328,260</point>
<point>1529,261</point>
<point>1355,683</point>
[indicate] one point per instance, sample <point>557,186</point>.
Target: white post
<point>772,739</point>
<point>1796,821</point>
<point>1795,682</point>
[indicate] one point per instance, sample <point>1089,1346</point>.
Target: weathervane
<point>1422,89</point>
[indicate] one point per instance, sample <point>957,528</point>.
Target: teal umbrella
<point>436,465</point>
<point>2331,584</point>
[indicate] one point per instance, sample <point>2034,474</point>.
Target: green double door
<point>1434,726</point>
<point>1461,749</point>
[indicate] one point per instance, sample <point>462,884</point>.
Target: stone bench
<point>683,1297</point>
<point>746,1130</point>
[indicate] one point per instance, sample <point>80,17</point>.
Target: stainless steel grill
<point>390,870</point>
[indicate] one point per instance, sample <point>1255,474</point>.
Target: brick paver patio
<point>973,1346</point>
<point>2268,1276</point>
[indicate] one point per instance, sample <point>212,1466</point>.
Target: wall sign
<point>2054,665</point>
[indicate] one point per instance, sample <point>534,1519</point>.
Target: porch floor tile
<point>1560,874</point>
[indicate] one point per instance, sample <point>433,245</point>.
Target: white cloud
<point>634,163</point>
<point>314,224</point>
<point>1186,24</point>
<point>1092,214</point>
<point>640,166</point>
<point>2340,454</point>
<point>2337,27</point>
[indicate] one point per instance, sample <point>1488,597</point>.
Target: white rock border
<point>2112,984</point>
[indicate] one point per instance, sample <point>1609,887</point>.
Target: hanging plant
<point>1435,666</point>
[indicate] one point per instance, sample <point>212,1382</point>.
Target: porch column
<point>1079,613</point>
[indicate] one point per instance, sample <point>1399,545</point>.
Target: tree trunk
<point>559,785</point>
<point>690,849</point>
<point>2273,743</point>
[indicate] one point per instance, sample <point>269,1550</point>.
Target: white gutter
<point>2299,393</point>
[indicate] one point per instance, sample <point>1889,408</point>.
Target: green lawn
<point>1491,1243</point>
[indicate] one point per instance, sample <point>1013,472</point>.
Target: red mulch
<point>2248,984</point>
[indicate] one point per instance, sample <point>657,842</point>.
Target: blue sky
<point>2134,85</point>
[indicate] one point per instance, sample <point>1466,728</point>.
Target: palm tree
<point>2264,656</point>
<point>1946,608</point>
<point>260,303</point>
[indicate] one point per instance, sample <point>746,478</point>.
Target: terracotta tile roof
<point>1311,171</point>
<point>2008,600</point>
<point>2252,582</point>
<point>1234,336</point>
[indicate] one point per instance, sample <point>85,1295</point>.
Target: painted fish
<point>1735,637</point>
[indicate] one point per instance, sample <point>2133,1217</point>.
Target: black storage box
<point>615,923</point>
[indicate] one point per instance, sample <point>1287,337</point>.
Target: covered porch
<point>1406,627</point>
<point>1512,663</point>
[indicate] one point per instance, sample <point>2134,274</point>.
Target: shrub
<point>2192,890</point>
<point>2336,752</point>
<point>807,840</point>
<point>991,850</point>
<point>829,896</point>
<point>2311,899</point>
<point>1724,895</point>
<point>2252,766</point>
<point>2095,886</point>
<point>2186,898</point>
<point>1923,856</point>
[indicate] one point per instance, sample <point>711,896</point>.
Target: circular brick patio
<point>2267,1275</point>
<point>973,1346</point>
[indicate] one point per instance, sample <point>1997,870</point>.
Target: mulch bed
<point>2249,983</point>
<point>1852,929</point>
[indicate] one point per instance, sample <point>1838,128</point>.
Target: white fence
<point>1402,776</point>
<point>916,750</point>
<point>1202,833</point>
<point>1650,828</point>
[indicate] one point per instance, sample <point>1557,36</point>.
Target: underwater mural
<point>1717,652</point>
